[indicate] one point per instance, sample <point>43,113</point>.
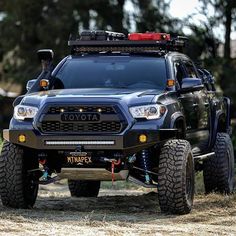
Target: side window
<point>190,69</point>
<point>178,71</point>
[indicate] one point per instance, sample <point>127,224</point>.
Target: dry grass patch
<point>117,212</point>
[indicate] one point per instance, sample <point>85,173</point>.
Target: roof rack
<point>107,41</point>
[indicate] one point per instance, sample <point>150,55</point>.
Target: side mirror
<point>30,84</point>
<point>191,85</point>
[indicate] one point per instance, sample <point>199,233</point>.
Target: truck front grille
<point>52,126</point>
<point>111,120</point>
<point>102,109</point>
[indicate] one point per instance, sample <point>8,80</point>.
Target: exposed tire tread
<point>12,177</point>
<point>172,177</point>
<point>215,169</point>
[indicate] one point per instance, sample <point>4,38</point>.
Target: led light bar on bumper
<point>64,142</point>
<point>149,112</point>
<point>22,112</point>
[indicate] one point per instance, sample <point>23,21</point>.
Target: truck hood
<point>130,97</point>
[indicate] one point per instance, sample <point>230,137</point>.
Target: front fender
<point>176,116</point>
<point>218,116</point>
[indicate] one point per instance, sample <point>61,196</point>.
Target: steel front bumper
<point>127,142</point>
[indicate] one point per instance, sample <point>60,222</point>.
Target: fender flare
<point>177,116</point>
<point>215,127</point>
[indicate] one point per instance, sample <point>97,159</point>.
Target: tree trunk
<point>120,16</point>
<point>228,23</point>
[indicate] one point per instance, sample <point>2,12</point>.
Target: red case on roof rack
<point>149,36</point>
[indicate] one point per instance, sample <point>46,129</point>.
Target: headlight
<point>22,112</point>
<point>149,112</point>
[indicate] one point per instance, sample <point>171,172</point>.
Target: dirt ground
<point>117,212</point>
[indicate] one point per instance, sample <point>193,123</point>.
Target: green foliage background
<point>26,26</point>
<point>30,25</point>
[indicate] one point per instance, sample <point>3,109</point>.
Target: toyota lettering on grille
<point>84,117</point>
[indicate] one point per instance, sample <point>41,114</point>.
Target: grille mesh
<point>106,125</point>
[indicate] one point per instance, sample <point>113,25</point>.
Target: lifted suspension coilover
<point>145,164</point>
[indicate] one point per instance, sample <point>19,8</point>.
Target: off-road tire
<point>176,177</point>
<point>218,170</point>
<point>17,189</point>
<point>84,188</point>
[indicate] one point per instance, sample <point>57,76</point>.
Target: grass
<point>118,185</point>
<point>56,213</point>
<point>199,184</point>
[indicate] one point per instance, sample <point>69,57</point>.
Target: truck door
<point>202,109</point>
<point>189,103</point>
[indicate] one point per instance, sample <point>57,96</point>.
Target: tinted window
<point>112,72</point>
<point>190,70</point>
<point>179,72</point>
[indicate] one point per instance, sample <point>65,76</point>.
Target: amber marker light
<point>21,138</point>
<point>162,110</point>
<point>142,138</point>
<point>170,82</point>
<point>44,83</point>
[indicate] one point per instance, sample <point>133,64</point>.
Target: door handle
<point>206,104</point>
<point>195,105</point>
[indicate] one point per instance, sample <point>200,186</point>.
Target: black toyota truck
<point>119,108</point>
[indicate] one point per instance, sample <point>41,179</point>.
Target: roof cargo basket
<point>107,41</point>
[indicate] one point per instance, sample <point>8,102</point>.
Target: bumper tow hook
<point>114,163</point>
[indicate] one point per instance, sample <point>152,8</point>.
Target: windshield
<point>112,72</point>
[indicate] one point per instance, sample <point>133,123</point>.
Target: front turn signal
<point>170,82</point>
<point>142,138</point>
<point>21,138</point>
<point>44,83</point>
